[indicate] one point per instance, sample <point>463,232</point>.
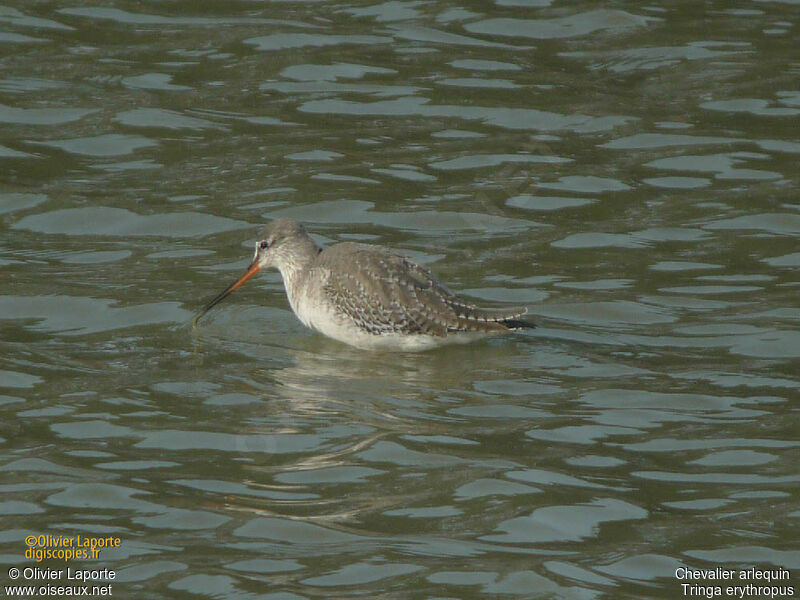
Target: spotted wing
<point>382,292</point>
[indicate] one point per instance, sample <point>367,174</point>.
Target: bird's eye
<point>264,245</point>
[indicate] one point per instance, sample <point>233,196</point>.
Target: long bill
<point>251,270</point>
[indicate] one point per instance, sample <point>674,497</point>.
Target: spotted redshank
<point>367,296</point>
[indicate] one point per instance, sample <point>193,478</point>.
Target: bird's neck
<point>294,264</point>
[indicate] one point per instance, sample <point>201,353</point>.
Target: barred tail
<point>491,318</point>
<point>518,324</point>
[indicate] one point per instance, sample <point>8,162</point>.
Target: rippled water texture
<point>628,171</point>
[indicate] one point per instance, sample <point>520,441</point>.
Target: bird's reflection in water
<point>365,414</point>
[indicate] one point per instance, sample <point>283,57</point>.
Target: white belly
<point>325,321</point>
